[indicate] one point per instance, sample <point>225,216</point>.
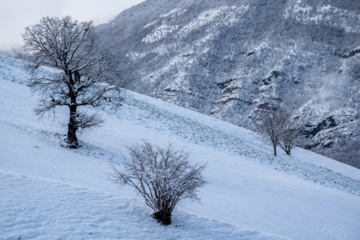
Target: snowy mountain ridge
<point>45,183</point>
<point>234,60</point>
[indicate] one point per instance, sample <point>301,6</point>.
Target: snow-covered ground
<point>49,192</point>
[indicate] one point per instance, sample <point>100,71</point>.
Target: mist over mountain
<point>234,59</point>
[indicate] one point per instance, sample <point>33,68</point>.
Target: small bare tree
<point>162,176</point>
<point>270,124</point>
<point>71,48</point>
<point>278,127</point>
<point>288,137</point>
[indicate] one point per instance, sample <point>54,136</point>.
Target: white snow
<point>175,11</point>
<point>159,33</point>
<point>325,14</point>
<point>207,17</point>
<point>150,24</point>
<point>49,192</point>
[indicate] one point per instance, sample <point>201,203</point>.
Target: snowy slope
<point>48,192</point>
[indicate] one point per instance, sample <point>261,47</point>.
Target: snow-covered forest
<point>234,60</point>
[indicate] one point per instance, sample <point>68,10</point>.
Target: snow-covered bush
<point>162,176</point>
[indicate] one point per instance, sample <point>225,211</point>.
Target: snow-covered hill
<point>234,59</point>
<point>49,192</point>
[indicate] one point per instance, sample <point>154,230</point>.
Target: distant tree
<point>279,129</point>
<point>71,48</point>
<point>162,176</point>
<point>288,136</point>
<point>270,126</point>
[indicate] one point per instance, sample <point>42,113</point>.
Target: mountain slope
<point>236,59</point>
<point>52,192</point>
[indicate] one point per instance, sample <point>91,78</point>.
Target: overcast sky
<point>15,15</point>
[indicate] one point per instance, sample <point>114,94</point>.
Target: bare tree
<point>270,125</point>
<point>71,48</point>
<point>162,176</point>
<point>288,137</point>
<point>278,127</point>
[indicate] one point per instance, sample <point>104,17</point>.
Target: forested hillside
<point>235,60</point>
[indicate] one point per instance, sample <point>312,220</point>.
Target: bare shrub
<point>162,176</point>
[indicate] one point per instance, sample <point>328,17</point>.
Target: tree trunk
<point>71,140</point>
<point>163,216</point>
<point>274,145</point>
<point>72,128</point>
